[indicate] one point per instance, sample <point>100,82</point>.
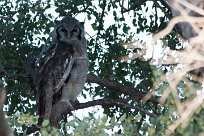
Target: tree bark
<point>116,86</point>
<point>4,127</point>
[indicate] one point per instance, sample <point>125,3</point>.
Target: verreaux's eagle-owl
<point>63,73</point>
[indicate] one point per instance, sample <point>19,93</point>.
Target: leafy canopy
<point>24,32</point>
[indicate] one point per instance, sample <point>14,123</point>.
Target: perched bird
<point>63,73</point>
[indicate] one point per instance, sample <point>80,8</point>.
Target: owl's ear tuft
<point>56,22</point>
<point>81,23</point>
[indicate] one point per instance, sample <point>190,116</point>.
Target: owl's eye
<point>63,30</point>
<point>75,29</point>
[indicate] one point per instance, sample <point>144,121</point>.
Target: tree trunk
<point>4,127</point>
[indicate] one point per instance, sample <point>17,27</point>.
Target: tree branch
<point>4,127</point>
<point>134,6</point>
<point>8,18</point>
<point>105,101</point>
<point>112,85</point>
<point>116,86</point>
<point>100,26</point>
<point>166,4</point>
<point>109,101</point>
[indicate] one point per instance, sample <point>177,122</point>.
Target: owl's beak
<point>68,35</point>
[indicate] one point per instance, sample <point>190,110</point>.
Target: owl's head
<point>68,29</point>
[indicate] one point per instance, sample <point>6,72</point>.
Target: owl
<point>63,73</point>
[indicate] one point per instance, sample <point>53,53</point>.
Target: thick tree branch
<point>116,86</point>
<point>106,101</point>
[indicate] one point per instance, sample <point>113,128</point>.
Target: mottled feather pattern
<point>63,74</point>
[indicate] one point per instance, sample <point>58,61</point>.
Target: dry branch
<point>189,16</point>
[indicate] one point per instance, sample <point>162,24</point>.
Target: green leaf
<point>123,117</point>
<point>45,123</point>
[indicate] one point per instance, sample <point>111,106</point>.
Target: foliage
<point>24,32</point>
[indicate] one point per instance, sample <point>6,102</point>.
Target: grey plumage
<point>63,74</point>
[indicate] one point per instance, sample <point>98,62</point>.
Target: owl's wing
<point>40,76</point>
<point>50,53</point>
<point>52,75</point>
<point>65,75</point>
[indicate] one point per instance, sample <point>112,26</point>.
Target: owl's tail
<point>60,109</point>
